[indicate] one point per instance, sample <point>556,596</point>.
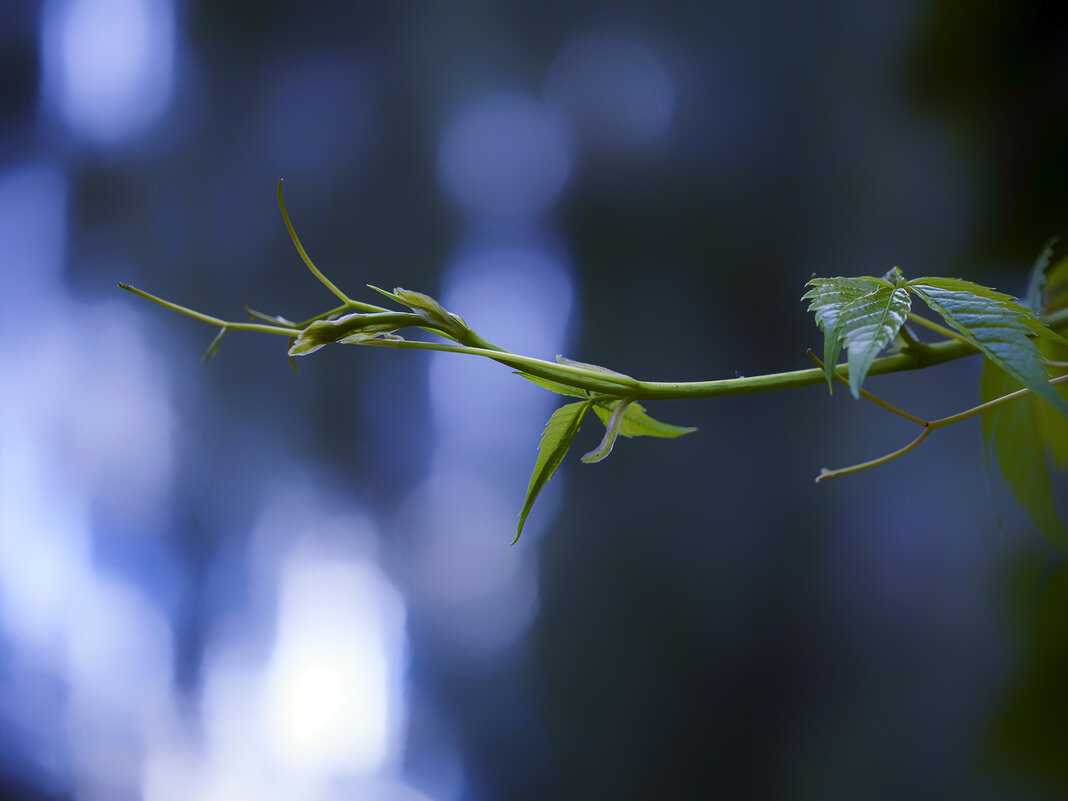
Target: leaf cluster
<point>865,315</point>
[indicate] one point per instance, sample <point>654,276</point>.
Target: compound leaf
<point>863,315</point>
<point>636,423</point>
<point>555,441</point>
<point>995,324</point>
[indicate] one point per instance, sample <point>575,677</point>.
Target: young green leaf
<point>553,386</point>
<point>345,329</point>
<point>427,308</point>
<point>829,298</point>
<point>555,441</point>
<point>1017,431</point>
<point>861,314</point>
<point>636,423</point>
<point>995,324</point>
<point>611,431</point>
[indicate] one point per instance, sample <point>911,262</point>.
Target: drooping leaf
<point>636,423</point>
<point>553,386</point>
<point>1017,431</point>
<point>555,441</point>
<point>213,348</point>
<point>1026,730</point>
<point>995,324</point>
<point>1036,283</point>
<point>1054,427</point>
<point>861,314</point>
<point>1055,295</point>
<point>611,431</point>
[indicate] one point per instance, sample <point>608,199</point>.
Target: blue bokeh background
<point>231,580</point>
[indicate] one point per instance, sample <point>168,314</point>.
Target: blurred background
<point>233,581</point>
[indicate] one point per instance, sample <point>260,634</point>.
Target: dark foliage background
<point>642,185</point>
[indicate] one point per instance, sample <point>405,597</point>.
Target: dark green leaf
<point>996,324</point>
<point>555,441</point>
<point>1017,432</point>
<point>1054,427</point>
<point>863,315</point>
<point>636,423</point>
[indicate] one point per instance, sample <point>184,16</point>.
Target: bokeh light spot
<point>617,96</point>
<point>108,65</point>
<point>504,156</point>
<point>340,637</point>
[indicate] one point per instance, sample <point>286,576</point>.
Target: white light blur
<point>101,406</point>
<point>331,701</point>
<point>520,296</point>
<point>481,595</point>
<point>108,65</point>
<point>119,673</point>
<point>617,95</point>
<point>44,545</point>
<point>504,157</point>
<point>85,424</point>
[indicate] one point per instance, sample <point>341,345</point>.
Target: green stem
<point>940,329</point>
<point>304,254</point>
<point>972,412</point>
<point>582,378</point>
<point>844,471</point>
<point>207,318</point>
<point>873,398</point>
<point>928,428</point>
<point>578,377</point>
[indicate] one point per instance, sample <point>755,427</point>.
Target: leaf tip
<point>518,530</point>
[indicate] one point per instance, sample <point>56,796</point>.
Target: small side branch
<point>842,471</point>
<point>873,398</point>
<point>928,427</point>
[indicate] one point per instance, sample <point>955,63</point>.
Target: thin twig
<point>940,329</point>
<point>207,318</point>
<point>825,473</point>
<point>931,426</point>
<point>304,254</point>
<point>873,398</point>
